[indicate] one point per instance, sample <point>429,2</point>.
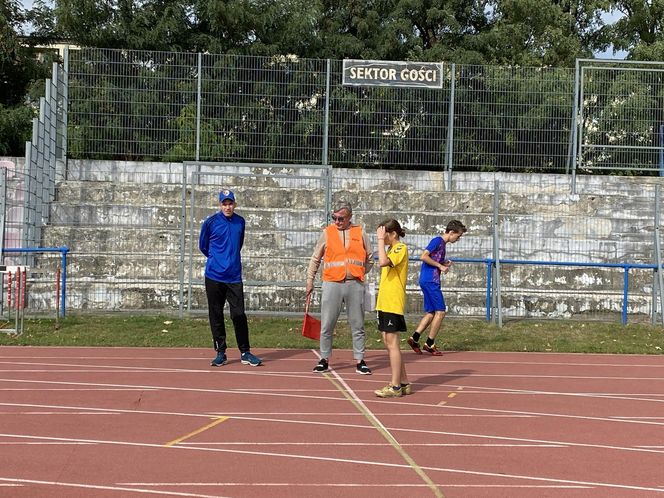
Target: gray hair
<point>339,205</point>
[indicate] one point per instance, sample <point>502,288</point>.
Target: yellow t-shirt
<point>392,288</point>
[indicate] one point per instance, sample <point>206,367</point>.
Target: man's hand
<point>309,288</point>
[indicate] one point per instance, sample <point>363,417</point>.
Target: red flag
<point>311,324</point>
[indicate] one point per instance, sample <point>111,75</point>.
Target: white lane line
<point>638,418</point>
<point>511,391</point>
<point>111,488</point>
<point>108,411</point>
<point>44,443</point>
<point>351,461</point>
<point>48,389</point>
<point>527,375</point>
<point>180,389</point>
<point>68,413</point>
<point>449,358</point>
<point>419,431</point>
<point>351,485</point>
<point>484,390</point>
<point>335,398</point>
<point>362,445</point>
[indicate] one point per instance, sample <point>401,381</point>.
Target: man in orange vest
<point>346,254</point>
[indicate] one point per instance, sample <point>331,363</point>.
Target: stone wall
<point>122,222</point>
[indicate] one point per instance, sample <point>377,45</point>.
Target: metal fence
<point>163,106</point>
<point>28,188</point>
<point>280,130</point>
<point>533,250</point>
<point>527,254</point>
<point>621,116</point>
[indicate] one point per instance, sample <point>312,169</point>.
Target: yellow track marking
<point>386,434</point>
<point>217,420</point>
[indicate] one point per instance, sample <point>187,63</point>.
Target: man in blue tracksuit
<point>221,240</point>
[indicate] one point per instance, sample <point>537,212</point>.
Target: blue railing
<point>489,262</point>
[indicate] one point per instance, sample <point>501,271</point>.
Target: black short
<point>391,322</point>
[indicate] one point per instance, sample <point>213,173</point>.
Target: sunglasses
<point>338,218</point>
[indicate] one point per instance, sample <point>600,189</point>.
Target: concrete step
<point>538,241</point>
<point>362,199</point>
<point>127,241</point>
<point>170,195</point>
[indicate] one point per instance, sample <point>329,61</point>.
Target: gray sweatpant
<point>334,295</point>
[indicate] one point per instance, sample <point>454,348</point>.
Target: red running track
<point>147,421</point>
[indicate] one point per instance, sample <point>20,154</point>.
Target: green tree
<point>20,75</point>
<point>640,29</point>
<point>129,24</point>
<point>544,32</point>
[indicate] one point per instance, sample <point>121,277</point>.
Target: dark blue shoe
<point>249,359</point>
<point>219,360</point>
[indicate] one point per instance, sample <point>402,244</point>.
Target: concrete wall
<point>123,222</point>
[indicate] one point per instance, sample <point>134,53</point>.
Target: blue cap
<point>226,195</point>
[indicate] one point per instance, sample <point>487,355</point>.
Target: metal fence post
<point>661,150</point>
<point>199,97</point>
<point>3,210</point>
<point>449,148</point>
<point>65,108</point>
<point>571,150</point>
<point>183,241</point>
<point>658,254</point>
<point>496,298</point>
<point>196,175</point>
<point>28,199</point>
<point>578,135</point>
<point>326,140</point>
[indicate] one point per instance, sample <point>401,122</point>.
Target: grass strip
<point>278,332</point>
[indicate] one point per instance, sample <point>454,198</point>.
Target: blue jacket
<point>221,241</point>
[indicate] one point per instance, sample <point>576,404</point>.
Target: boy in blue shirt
<point>433,264</point>
<point>221,240</point>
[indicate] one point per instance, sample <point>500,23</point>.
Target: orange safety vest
<point>339,260</point>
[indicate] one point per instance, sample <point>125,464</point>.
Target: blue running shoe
<point>219,360</point>
<point>249,359</point>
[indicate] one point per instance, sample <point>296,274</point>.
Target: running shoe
<point>362,368</point>
<point>321,366</point>
<point>219,360</point>
<point>414,345</point>
<point>389,392</point>
<point>249,359</point>
<point>433,350</point>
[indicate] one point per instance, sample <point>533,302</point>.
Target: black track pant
<point>217,295</point>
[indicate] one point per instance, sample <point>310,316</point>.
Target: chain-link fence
<point>140,105</point>
<point>621,116</point>
<point>27,188</point>
<point>533,250</point>
<point>289,137</point>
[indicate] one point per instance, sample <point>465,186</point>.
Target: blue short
<point>433,297</point>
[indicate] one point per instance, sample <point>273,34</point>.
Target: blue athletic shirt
<point>221,241</point>
<point>436,250</point>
